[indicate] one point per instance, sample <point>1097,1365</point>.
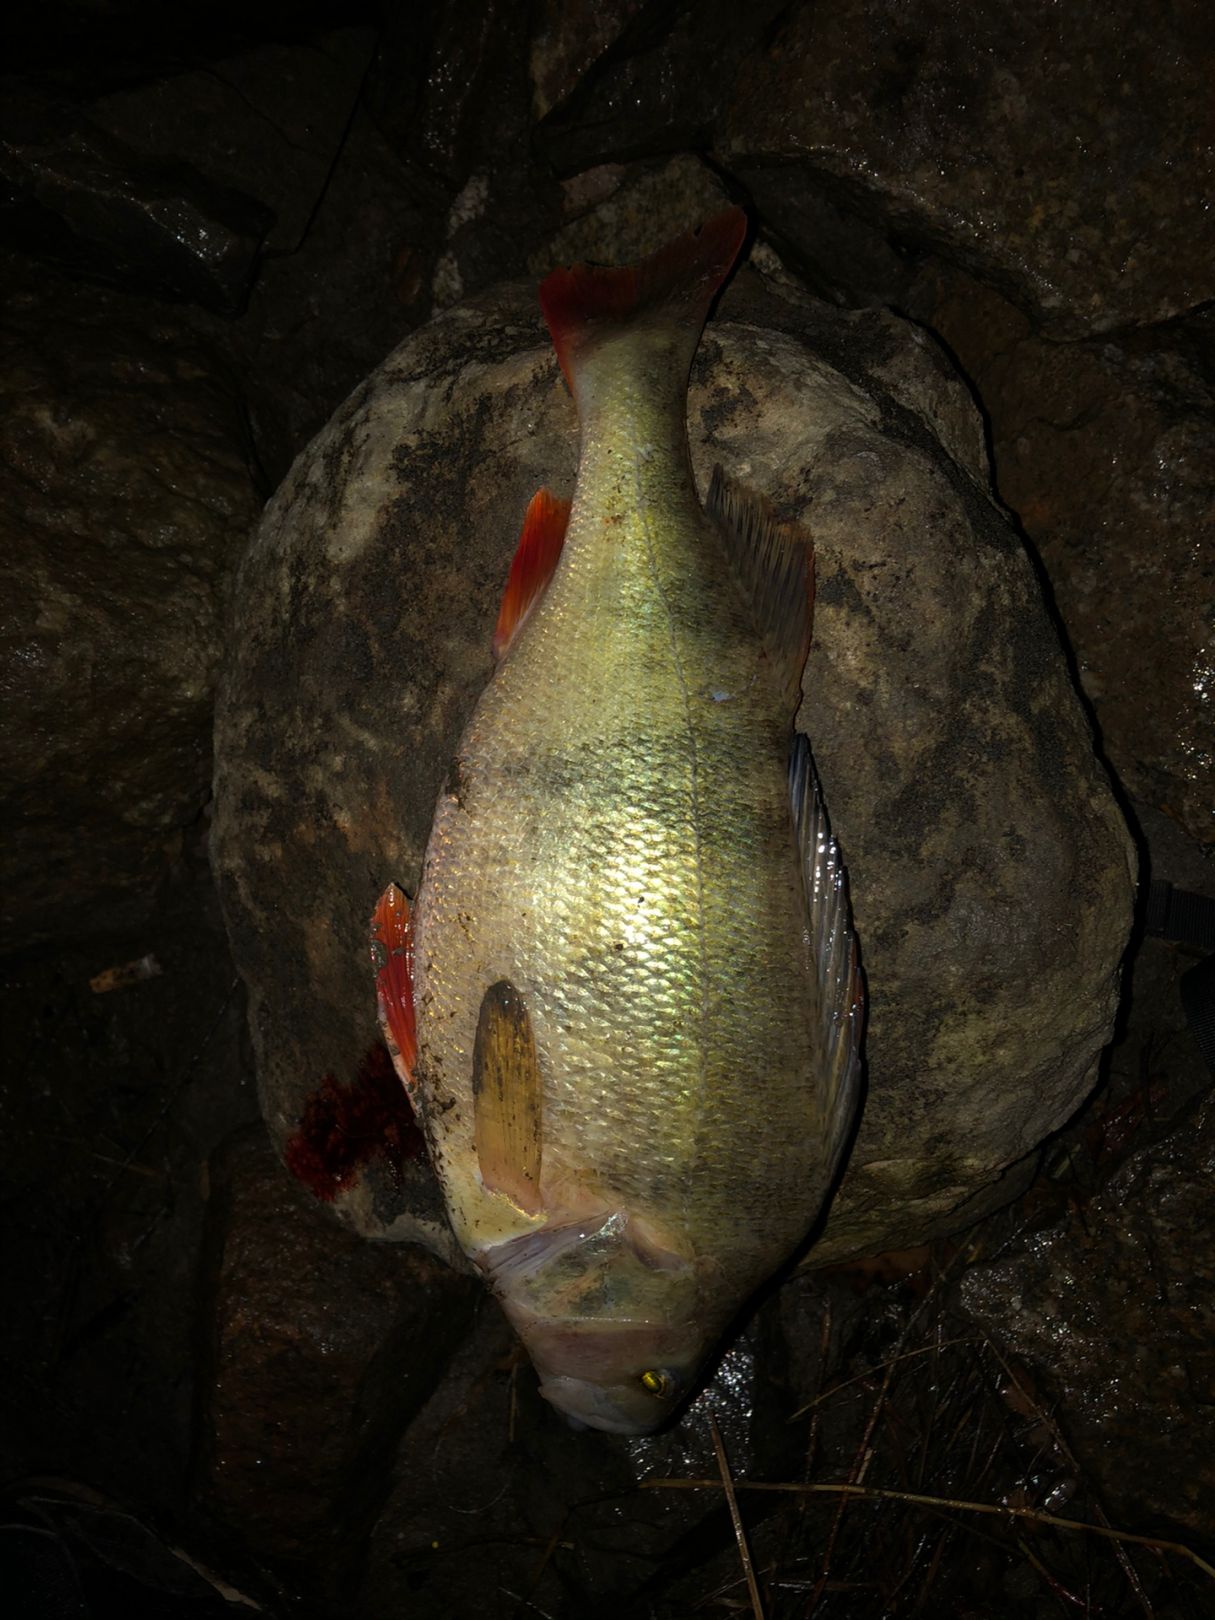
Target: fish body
<point>635,1023</point>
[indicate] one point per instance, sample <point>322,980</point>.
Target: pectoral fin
<point>536,559</point>
<point>392,959</point>
<point>840,987</point>
<point>507,1098</point>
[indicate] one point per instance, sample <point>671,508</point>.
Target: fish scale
<point>617,908</point>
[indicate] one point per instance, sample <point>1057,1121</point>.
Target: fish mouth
<point>586,1405</point>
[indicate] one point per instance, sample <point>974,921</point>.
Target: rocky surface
<point>1103,450</point>
<point>280,195</point>
<point>1036,146</point>
<point>125,498</point>
<point>1115,1314</point>
<point>991,878</point>
<point>319,1350</point>
<point>114,1099</point>
<point>83,197</point>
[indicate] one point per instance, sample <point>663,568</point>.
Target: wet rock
<point>1114,1310</point>
<point>117,1100</point>
<point>322,316</point>
<point>567,39</point>
<point>71,1553</point>
<point>487,1462</point>
<point>626,211</point>
<point>321,1348</point>
<point>1038,146</point>
<point>989,866</point>
<point>267,121</point>
<point>82,198</point>
<point>1102,450</point>
<point>661,89</point>
<point>126,496</point>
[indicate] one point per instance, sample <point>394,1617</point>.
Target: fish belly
<point>616,842</point>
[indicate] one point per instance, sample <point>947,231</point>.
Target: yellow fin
<point>507,1101</point>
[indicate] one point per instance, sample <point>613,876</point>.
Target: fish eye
<point>658,1383</point>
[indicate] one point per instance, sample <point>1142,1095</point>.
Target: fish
<point>626,1000</point>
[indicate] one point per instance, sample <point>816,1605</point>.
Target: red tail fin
<point>679,281</point>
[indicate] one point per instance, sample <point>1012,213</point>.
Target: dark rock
<point>567,39</point>
<point>1114,1310</point>
<point>661,87</point>
<point>69,1553</point>
<point>112,1104</point>
<point>1103,451</point>
<point>990,869</point>
<point>82,198</point>
<point>1061,153</point>
<point>488,1463</point>
<point>320,317</point>
<point>321,1348</point>
<point>450,88</point>
<point>630,211</point>
<point>836,251</point>
<point>267,121</point>
<point>126,496</point>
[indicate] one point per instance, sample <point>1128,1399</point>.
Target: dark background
<point>214,221</point>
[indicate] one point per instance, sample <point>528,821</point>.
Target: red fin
<point>679,281</point>
<point>392,958</point>
<point>536,558</point>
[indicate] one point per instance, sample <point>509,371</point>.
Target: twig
<point>740,1534</point>
<point>876,1494</point>
<point>1061,1446</point>
<point>877,1367</point>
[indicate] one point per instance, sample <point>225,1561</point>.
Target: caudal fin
<point>585,302</point>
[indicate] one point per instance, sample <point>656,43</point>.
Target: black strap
<point>1178,914</point>
<point>1198,998</point>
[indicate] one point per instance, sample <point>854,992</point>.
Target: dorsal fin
<point>536,559</point>
<point>774,565</point>
<point>507,1098</point>
<point>392,959</point>
<point>841,994</point>
<point>585,302</point>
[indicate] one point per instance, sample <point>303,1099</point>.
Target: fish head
<point>609,1316</point>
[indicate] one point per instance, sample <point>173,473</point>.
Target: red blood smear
<point>346,1126</point>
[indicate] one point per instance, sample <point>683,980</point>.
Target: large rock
<point>125,497</point>
<point>1063,153</point>
<point>1103,449</point>
<point>991,873</point>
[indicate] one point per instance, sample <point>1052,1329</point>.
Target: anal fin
<point>841,993</point>
<point>507,1098</point>
<point>392,959</point>
<point>536,559</point>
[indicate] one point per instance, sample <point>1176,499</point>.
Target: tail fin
<point>677,284</point>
